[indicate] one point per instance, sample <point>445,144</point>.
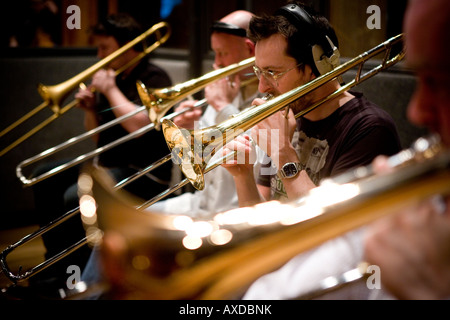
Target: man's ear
<point>308,72</point>
<point>251,46</point>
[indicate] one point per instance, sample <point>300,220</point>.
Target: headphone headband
<point>229,28</point>
<point>303,20</point>
<point>305,24</point>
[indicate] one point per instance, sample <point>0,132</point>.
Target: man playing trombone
<point>107,97</point>
<point>224,97</point>
<point>293,47</point>
<point>411,246</point>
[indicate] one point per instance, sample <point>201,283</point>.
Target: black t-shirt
<point>352,136</point>
<point>144,150</point>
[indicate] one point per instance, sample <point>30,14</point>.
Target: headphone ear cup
<point>320,62</point>
<point>323,63</point>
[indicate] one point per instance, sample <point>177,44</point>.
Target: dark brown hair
<point>299,41</point>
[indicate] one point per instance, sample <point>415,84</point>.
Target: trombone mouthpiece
<point>267,97</point>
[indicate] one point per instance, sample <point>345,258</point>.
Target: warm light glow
<point>94,236</point>
<point>200,229</point>
<point>306,208</point>
<point>234,216</point>
<point>85,183</point>
<point>182,222</point>
<point>267,213</point>
<point>88,209</point>
<point>303,213</point>
<point>314,205</point>
<point>192,243</point>
<point>221,237</point>
<point>330,193</point>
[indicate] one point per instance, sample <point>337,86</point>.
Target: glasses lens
<point>267,75</point>
<point>257,72</point>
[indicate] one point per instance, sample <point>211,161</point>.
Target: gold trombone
<point>193,148</point>
<point>25,275</point>
<point>177,257</point>
<point>184,143</point>
<point>183,89</point>
<point>157,102</point>
<point>54,95</point>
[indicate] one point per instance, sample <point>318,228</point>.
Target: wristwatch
<point>289,170</point>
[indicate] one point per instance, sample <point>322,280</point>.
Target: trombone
<point>54,95</point>
<point>157,102</point>
<point>184,90</point>
<point>220,257</point>
<point>184,143</point>
<point>193,148</point>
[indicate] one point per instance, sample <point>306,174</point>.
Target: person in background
<point>106,98</point>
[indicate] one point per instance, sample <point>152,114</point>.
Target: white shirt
<point>303,273</point>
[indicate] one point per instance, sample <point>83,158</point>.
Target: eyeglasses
<point>271,76</point>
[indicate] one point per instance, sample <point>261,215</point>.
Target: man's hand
<point>188,118</point>
<point>274,134</point>
<point>104,80</point>
<point>222,92</point>
<point>242,162</point>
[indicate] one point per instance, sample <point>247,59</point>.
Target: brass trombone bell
<point>23,275</point>
<point>159,101</point>
<point>54,95</point>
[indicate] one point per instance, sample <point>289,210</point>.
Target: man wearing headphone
<point>225,97</point>
<point>106,98</point>
<point>345,132</point>
<point>293,47</point>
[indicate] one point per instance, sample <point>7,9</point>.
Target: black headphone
<point>324,54</point>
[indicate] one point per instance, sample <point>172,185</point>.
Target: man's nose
<point>264,86</point>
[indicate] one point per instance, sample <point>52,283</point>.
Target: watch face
<point>290,169</point>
